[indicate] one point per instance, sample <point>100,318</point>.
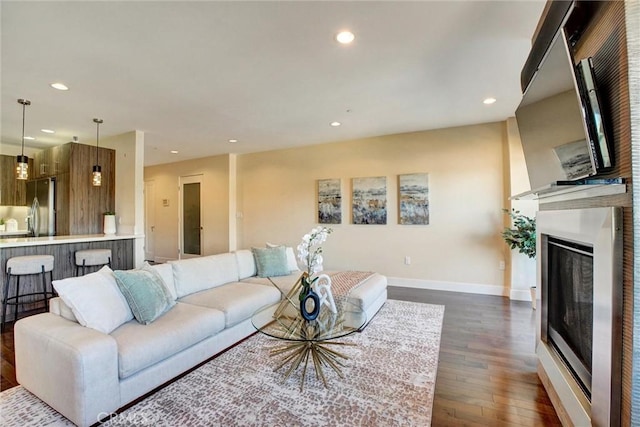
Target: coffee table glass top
<point>288,324</point>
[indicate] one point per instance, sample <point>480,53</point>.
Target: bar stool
<point>92,258</point>
<point>24,266</point>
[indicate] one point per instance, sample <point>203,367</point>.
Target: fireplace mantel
<point>565,191</point>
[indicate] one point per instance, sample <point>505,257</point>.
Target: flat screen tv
<point>560,121</point>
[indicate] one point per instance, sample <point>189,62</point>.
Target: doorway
<point>149,220</point>
<point>190,216</point>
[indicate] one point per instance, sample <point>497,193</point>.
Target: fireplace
<point>570,306</point>
<point>580,324</point>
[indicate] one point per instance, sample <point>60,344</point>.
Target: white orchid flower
<point>307,255</point>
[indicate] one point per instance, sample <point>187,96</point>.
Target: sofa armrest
<point>72,368</point>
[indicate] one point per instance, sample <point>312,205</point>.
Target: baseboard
<point>472,288</point>
<point>520,294</point>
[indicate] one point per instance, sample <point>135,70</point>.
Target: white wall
<point>459,250</point>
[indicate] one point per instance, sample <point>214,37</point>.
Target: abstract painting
<point>369,200</point>
<point>414,199</point>
<point>329,201</point>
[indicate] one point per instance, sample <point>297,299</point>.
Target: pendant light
<point>97,170</point>
<point>22,161</point>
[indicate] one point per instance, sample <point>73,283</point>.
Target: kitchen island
<point>63,249</point>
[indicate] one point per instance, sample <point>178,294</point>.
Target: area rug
<point>389,380</point>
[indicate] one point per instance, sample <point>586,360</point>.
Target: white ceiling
<point>193,75</point>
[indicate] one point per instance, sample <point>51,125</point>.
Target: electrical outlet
<point>502,265</point>
<point>407,260</point>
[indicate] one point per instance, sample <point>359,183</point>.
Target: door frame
<point>182,180</point>
<point>149,220</point>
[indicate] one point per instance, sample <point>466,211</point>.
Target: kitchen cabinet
<point>52,161</point>
<point>12,191</point>
<point>80,205</point>
<point>122,250</point>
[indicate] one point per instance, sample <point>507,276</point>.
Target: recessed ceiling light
<point>335,124</point>
<point>59,86</point>
<point>345,37</point>
<point>47,131</point>
<point>174,151</point>
<point>489,101</point>
<point>30,138</point>
<point>233,140</point>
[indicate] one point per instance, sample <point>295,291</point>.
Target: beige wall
<point>129,186</point>
<point>275,194</point>
<point>521,270</point>
<point>461,247</point>
<point>215,204</point>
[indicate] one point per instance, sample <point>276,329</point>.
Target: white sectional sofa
<point>86,374</point>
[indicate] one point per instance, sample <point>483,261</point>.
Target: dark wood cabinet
<point>12,191</point>
<point>80,205</point>
<point>52,161</point>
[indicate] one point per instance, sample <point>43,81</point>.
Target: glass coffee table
<point>305,342</point>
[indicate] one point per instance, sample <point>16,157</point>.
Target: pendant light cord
<point>97,139</point>
<point>24,106</point>
<point>97,122</point>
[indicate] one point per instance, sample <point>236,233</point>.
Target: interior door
<point>190,216</point>
<point>149,220</point>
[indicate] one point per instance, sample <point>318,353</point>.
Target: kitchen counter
<point>63,249</point>
<point>17,242</point>
<point>9,234</point>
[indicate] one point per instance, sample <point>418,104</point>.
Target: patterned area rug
<point>389,380</point>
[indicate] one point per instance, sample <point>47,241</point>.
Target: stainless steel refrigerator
<point>41,198</point>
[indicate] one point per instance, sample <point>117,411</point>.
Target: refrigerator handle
<point>34,218</point>
<point>30,220</point>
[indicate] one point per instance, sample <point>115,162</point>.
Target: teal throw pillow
<point>271,262</point>
<point>145,293</point>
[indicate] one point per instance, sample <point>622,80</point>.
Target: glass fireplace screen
<point>570,306</point>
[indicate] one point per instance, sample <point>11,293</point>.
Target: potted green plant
<point>522,236</point>
<point>2,226</point>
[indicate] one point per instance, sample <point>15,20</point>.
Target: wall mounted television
<point>561,125</point>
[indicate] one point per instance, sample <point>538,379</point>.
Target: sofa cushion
<point>145,292</point>
<point>367,292</point>
<point>271,262</point>
<point>95,300</point>
<point>237,300</point>
<point>58,307</point>
<point>246,263</point>
<point>196,274</point>
<point>140,346</point>
<point>166,273</point>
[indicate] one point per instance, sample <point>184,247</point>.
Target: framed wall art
<point>369,200</point>
<point>329,201</point>
<point>413,198</point>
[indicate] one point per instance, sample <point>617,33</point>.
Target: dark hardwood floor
<point>487,367</point>
<point>7,359</point>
